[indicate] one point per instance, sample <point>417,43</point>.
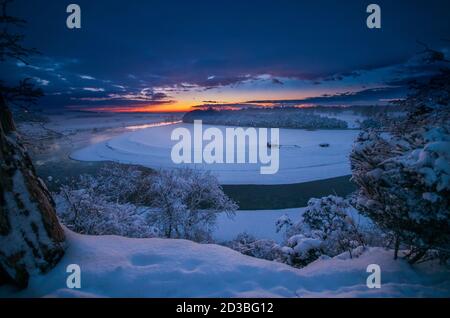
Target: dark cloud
<point>226,106</point>
<point>277,81</point>
<point>341,76</point>
<point>124,47</point>
<point>368,96</point>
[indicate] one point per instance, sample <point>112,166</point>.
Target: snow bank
<point>301,157</point>
<point>114,266</point>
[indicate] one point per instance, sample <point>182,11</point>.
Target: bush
<point>249,245</point>
<point>325,229</point>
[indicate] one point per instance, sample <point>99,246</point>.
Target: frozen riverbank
<point>301,158</point>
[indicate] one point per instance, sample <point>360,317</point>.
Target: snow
<point>301,157</point>
<point>259,223</point>
<point>113,266</point>
<point>349,117</point>
<point>52,141</point>
<point>302,245</point>
<point>68,122</point>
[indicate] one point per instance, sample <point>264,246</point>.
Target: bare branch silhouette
<point>25,93</point>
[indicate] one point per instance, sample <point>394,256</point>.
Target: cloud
<point>226,106</point>
<point>41,81</point>
<point>145,95</point>
<point>87,77</point>
<point>340,76</point>
<point>93,89</point>
<point>277,81</point>
<point>377,95</point>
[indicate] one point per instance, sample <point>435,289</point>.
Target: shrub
<point>249,245</point>
<point>325,229</point>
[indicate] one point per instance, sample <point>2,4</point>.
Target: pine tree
<point>403,173</point>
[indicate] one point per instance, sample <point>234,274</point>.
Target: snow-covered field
<point>301,157</point>
<point>114,266</point>
<point>260,224</point>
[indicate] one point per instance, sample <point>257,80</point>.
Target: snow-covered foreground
<point>114,266</point>
<point>301,158</point>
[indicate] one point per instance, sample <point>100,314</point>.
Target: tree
<point>182,203</point>
<point>404,174</point>
<point>325,229</point>
<point>188,203</point>
<point>25,93</point>
<point>31,238</point>
<point>86,211</point>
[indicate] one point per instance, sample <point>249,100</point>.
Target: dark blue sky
<point>170,55</point>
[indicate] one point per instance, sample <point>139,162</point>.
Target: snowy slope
<point>301,157</point>
<point>119,267</point>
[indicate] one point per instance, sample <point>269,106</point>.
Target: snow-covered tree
<point>87,212</point>
<point>300,250</point>
<point>283,117</point>
<point>403,174</point>
<point>119,183</point>
<point>325,228</point>
<point>188,202</point>
<point>179,204</point>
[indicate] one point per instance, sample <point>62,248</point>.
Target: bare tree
<point>25,93</point>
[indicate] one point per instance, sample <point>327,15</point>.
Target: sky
<point>176,55</point>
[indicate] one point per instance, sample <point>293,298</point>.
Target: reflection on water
<point>53,162</point>
<point>136,127</point>
<point>113,132</point>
